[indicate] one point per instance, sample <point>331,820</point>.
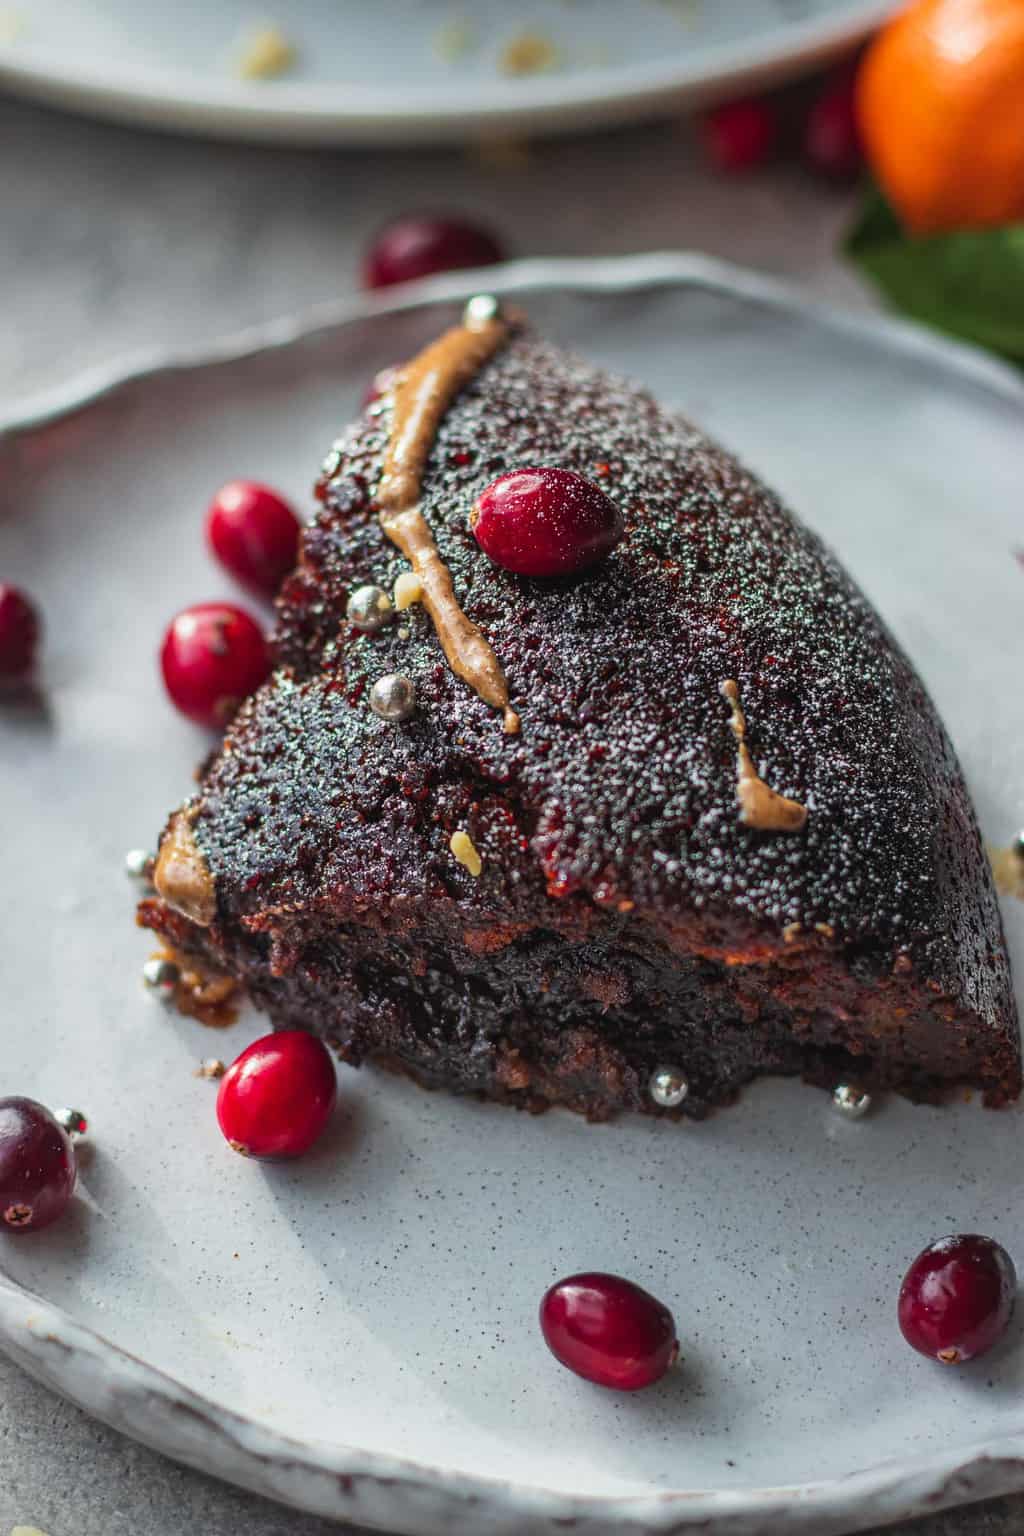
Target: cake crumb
<point>408,590</point>
<point>464,849</point>
<point>211,1067</point>
<point>530,53</point>
<point>454,40</point>
<point>266,54</point>
<point>791,933</point>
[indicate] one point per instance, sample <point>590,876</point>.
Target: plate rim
<point>310,112</point>
<point>379,1489</point>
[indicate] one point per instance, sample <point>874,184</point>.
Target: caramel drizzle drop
<point>1008,870</point>
<point>760,806</point>
<point>423,392</point>
<point>182,876</point>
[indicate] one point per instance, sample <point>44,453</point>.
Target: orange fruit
<point>940,98</point>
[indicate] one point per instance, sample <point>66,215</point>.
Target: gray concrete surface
<point>111,241</point>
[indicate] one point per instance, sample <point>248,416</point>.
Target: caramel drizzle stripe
<point>182,876</point>
<point>422,394</point>
<point>760,806</point>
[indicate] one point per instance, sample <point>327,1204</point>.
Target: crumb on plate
<point>529,53</point>
<point>266,54</point>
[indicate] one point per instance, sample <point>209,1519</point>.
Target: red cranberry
<point>38,1167</point>
<point>213,656</point>
<point>19,632</point>
<point>609,1331</point>
<point>254,534</point>
<point>421,244</point>
<point>741,134</point>
<point>545,522</point>
<point>832,143</point>
<point>276,1098</point>
<point>957,1298</point>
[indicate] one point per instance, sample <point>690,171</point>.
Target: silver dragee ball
<point>481,310</point>
<point>135,862</point>
<point>851,1101</point>
<point>369,608</point>
<point>668,1087</point>
<point>72,1121</point>
<point>161,975</point>
<point>393,697</point>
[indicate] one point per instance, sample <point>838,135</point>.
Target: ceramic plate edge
<point>560,101</point>
<point>344,1482</point>
<point>608,274</point>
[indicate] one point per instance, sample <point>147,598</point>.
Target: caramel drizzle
<point>1008,870</point>
<point>182,876</point>
<point>760,806</point>
<point>423,392</point>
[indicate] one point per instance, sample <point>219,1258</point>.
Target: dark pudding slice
<point>690,806</point>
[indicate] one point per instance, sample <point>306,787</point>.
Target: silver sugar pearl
<point>481,309</point>
<point>135,862</point>
<point>330,466</point>
<point>393,697</point>
<point>161,975</point>
<point>369,608</point>
<point>72,1120</point>
<point>851,1101</point>
<point>668,1087</point>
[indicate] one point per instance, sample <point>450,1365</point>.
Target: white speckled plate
<point>356,1333</point>
<point>409,71</point>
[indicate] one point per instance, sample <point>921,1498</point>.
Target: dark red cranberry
<point>545,522</point>
<point>19,632</point>
<point>213,656</point>
<point>957,1298</point>
<point>609,1331</point>
<point>254,534</point>
<point>740,135</point>
<point>832,143</point>
<point>38,1167</point>
<point>277,1097</point>
<point>420,244</point>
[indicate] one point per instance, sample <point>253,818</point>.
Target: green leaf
<point>970,283</point>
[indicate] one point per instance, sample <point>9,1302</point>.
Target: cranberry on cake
<point>622,837</point>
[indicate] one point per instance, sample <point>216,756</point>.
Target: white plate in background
<point>410,71</point>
